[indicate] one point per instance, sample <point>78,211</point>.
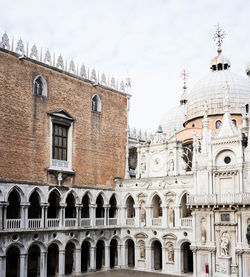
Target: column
<point>137,255</point>
<point>5,205</point>
<point>122,217</point>
<point>3,266</point>
<point>178,261</point>
<point>43,264</point>
<point>194,262</point>
<point>177,216</point>
<point>107,257</point>
<point>148,258</point>
<point>77,261</point>
<point>240,264</point>
<point>123,256</point>
<point>62,214</point>
<point>92,266</point>
<point>23,265</point>
<point>137,215</point>
<point>118,256</point>
<point>148,215</point>
<point>164,258</point>
<point>61,266</point>
<point>1,216</point>
<point>92,208</point>
<point>213,266</point>
<point>164,217</point>
<point>78,214</point>
<point>106,214</point>
<point>44,216</point>
<point>24,215</point>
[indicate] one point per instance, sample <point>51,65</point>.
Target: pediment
<point>141,236</point>
<point>61,113</point>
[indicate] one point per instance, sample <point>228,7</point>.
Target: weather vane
<point>184,75</point>
<point>219,36</point>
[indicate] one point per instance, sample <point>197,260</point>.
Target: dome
<point>211,89</point>
<point>172,121</point>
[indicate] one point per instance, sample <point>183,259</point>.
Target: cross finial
<point>219,36</point>
<point>184,75</point>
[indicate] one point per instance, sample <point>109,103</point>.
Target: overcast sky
<point>151,40</point>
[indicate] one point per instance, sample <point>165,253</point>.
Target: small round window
<point>227,160</point>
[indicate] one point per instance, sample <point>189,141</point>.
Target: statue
<point>142,250</point>
<point>248,234</point>
<point>224,244</point>
<point>171,165</point>
<point>171,215</point>
<point>203,235</point>
<point>142,214</point>
<point>171,253</point>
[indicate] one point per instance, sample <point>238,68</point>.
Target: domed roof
<point>211,89</point>
<point>172,121</point>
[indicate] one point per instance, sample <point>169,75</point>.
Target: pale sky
<point>151,40</point>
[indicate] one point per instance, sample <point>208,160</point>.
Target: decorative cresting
<point>61,63</point>
<point>219,62</point>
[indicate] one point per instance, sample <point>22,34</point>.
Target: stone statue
<point>171,253</point>
<point>142,250</point>
<point>225,244</point>
<point>203,235</point>
<point>171,165</point>
<point>142,214</point>
<point>248,234</point>
<point>171,215</point>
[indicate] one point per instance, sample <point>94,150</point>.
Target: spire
<point>184,75</point>
<point>219,62</point>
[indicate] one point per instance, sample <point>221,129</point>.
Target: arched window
<point>96,105</point>
<point>217,124</point>
<point>39,86</point>
<point>99,208</point>
<point>85,206</point>
<point>70,210</point>
<point>156,204</point>
<point>113,207</point>
<point>130,207</point>
<point>234,122</point>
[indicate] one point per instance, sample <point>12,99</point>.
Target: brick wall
<point>99,140</point>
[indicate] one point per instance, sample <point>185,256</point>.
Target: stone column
<point>92,265</point>
<point>44,215</point>
<point>122,218</point>
<point>177,259</point>
<point>78,215</point>
<point>43,264</point>
<point>164,217</point>
<point>123,256</point>
<point>149,215</point>
<point>148,258</point>
<point>107,257</point>
<point>4,222</point>
<point>194,262</point>
<point>241,270</point>
<point>1,216</point>
<point>77,261</point>
<point>164,258</point>
<point>137,215</point>
<point>23,265</point>
<point>62,214</point>
<point>92,208</point>
<point>106,214</point>
<point>118,256</point>
<point>177,216</point>
<point>61,266</point>
<point>24,215</point>
<point>3,266</point>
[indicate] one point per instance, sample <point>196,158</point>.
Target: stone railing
<point>186,222</point>
<point>113,221</point>
<point>13,223</point>
<point>99,221</point>
<point>219,199</point>
<point>85,222</point>
<point>34,223</point>
<point>156,221</point>
<point>53,222</point>
<point>130,221</point>
<point>70,222</point>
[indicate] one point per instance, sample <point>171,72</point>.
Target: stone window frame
<point>44,86</point>
<point>98,106</point>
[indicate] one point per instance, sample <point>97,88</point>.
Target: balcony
<point>13,223</point>
<point>99,222</point>
<point>70,222</point>
<point>156,221</point>
<point>113,221</point>
<point>219,199</point>
<point>130,221</point>
<point>186,222</point>
<point>53,222</point>
<point>85,222</point>
<point>34,223</point>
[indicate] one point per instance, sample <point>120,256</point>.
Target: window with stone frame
<point>60,142</point>
<point>39,86</point>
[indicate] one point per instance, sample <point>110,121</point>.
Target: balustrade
<point>99,221</point>
<point>34,223</point>
<point>85,222</point>
<point>130,221</point>
<point>53,222</point>
<point>13,223</point>
<point>156,221</point>
<point>186,222</point>
<point>113,221</point>
<point>70,222</point>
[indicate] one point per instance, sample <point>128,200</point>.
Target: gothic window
<point>217,124</point>
<point>60,142</point>
<point>96,105</point>
<point>39,86</point>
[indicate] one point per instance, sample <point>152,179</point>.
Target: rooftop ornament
<point>219,36</point>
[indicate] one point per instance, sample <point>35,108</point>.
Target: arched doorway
<point>13,262</point>
<point>52,260</point>
<point>156,206</point>
<point>157,255</point>
<point>69,258</point>
<point>34,261</point>
<point>100,254</point>
<point>187,258</point>
<point>14,209</point>
<point>113,253</point>
<point>54,205</point>
<point>131,252</point>
<point>85,256</point>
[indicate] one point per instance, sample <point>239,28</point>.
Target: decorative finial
<point>219,36</point>
<point>184,75</point>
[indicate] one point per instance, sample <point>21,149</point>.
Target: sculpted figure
<point>224,244</point>
<point>142,250</point>
<point>171,165</point>
<point>171,253</point>
<point>142,214</point>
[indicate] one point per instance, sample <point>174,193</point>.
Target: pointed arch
<point>96,104</point>
<point>73,192</point>
<point>40,193</point>
<point>20,192</point>
<point>90,196</point>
